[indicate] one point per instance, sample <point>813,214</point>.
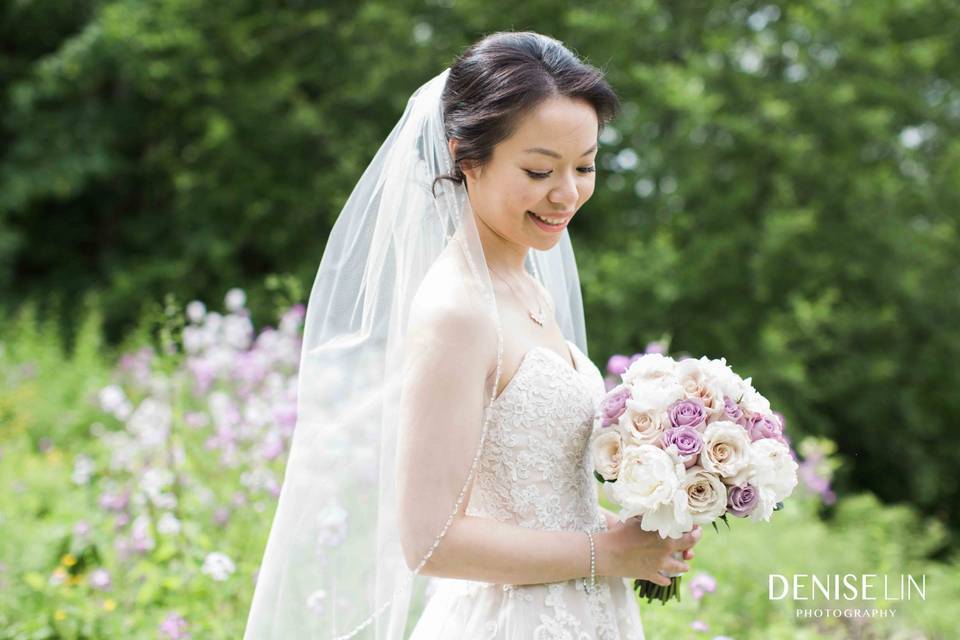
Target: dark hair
<point>502,77</point>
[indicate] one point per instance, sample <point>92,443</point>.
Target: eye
<point>536,175</point>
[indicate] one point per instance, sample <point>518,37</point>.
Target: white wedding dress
<point>536,472</point>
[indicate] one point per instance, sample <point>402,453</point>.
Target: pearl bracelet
<point>593,562</point>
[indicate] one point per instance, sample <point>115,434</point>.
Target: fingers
<point>688,539</point>
<point>688,554</point>
<point>662,580</point>
<point>675,566</point>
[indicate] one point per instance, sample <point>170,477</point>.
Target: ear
<point>465,165</point>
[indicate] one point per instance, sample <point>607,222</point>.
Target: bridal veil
<point>333,567</point>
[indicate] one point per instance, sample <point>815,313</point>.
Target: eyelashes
<point>541,176</point>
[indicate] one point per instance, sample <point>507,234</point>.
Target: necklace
<point>538,317</point>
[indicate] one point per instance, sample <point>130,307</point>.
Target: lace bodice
<point>535,471</point>
<point>535,468</point>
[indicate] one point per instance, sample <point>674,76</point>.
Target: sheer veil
<point>333,565</point>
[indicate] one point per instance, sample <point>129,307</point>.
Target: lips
<point>564,215</point>
<point>549,227</point>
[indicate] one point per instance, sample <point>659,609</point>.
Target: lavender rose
<point>733,412</point>
<point>763,425</point>
<point>688,413</point>
<point>688,443</point>
<point>741,499</point>
<point>614,404</point>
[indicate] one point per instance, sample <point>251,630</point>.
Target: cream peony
<point>766,501</point>
<point>650,485</point>
<point>607,448</point>
<point>752,401</point>
<point>726,449</point>
<point>650,366</point>
<point>706,495</point>
<point>773,468</point>
<point>730,384</point>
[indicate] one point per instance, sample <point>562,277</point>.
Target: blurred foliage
<point>68,571</point>
<point>781,189</point>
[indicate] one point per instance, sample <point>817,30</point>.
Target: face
<point>547,167</point>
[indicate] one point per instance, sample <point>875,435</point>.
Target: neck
<point>502,255</point>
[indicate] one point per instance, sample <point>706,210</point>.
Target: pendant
<point>538,320</point>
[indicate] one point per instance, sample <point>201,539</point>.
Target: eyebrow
<point>554,154</point>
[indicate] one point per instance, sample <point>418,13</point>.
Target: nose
<point>565,194</point>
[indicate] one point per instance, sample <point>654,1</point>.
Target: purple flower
<point>617,364</point>
<point>174,627</point>
<point>733,411</point>
<point>221,515</point>
<point>196,419</point>
<point>114,501</point>
<point>687,413</point>
<point>810,474</point>
<point>688,443</point>
<point>764,426</point>
<point>204,374</point>
<point>81,529</point>
<point>701,584</point>
<point>285,416</point>
<point>699,625</point>
<point>272,446</point>
<point>614,404</point>
<point>741,499</point>
<point>99,579</point>
<point>291,320</point>
<point>656,347</point>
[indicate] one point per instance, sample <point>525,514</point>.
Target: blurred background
<point>782,189</point>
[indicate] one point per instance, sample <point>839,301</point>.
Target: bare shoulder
<point>447,313</point>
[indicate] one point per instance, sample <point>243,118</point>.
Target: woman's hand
<point>628,551</point>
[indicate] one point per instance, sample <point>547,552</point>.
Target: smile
<point>549,224</point>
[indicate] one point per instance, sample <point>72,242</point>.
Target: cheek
<point>519,195</point>
<point>586,191</point>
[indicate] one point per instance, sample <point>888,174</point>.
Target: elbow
<point>414,548</point>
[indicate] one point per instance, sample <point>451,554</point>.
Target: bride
<point>440,460</point>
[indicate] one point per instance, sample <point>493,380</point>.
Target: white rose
<point>698,384</point>
<point>650,366</point>
<point>607,449</point>
<point>645,418</point>
<point>650,485</point>
<point>726,449</point>
<point>706,495</point>
<point>774,467</point>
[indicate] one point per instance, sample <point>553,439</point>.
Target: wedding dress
<point>535,471</point>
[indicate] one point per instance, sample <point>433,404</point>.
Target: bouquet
<point>685,443</point>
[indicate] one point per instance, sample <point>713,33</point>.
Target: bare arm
<point>491,551</point>
<point>441,408</point>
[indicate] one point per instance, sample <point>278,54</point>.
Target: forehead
<point>568,126</point>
